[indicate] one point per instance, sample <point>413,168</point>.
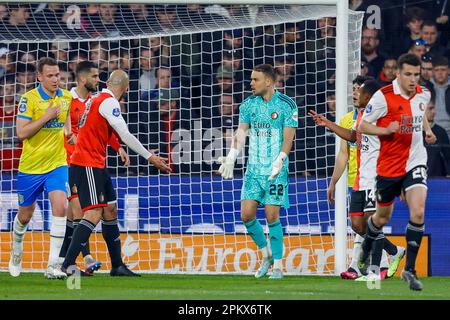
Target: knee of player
<point>246,218</point>
<point>359,228</point>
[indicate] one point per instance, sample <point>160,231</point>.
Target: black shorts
<point>93,187</point>
<point>389,188</point>
<point>361,202</point>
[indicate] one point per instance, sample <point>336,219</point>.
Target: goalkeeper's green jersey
<point>267,120</point>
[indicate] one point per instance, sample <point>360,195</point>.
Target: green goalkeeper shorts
<point>260,189</point>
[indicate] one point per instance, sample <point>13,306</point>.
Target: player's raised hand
<point>330,192</point>
<point>430,138</point>
<point>392,127</point>
<point>319,119</point>
<point>160,163</point>
<point>52,112</point>
<point>71,138</point>
<point>124,157</point>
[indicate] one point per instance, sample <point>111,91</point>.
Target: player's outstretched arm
<point>344,133</point>
<point>371,129</point>
<point>27,128</point>
<point>226,169</point>
<point>288,139</point>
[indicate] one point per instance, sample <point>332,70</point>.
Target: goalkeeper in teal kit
<point>270,118</point>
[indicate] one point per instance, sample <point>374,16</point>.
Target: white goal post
<point>347,55</point>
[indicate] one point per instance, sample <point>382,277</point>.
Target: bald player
<point>95,190</point>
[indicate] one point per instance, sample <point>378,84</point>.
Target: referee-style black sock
<point>85,250</point>
<point>414,233</point>
<point>376,238</point>
<point>111,234</point>
<point>67,238</point>
<point>80,236</point>
<point>389,247</point>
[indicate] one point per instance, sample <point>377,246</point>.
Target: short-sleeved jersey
<point>44,151</point>
<point>347,121</point>
<point>95,131</point>
<point>77,109</point>
<point>267,120</point>
<point>367,155</point>
<point>402,151</point>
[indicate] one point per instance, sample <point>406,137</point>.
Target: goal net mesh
<point>189,68</point>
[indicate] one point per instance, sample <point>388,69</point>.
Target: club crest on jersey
<point>295,116</point>
<point>116,112</point>
<point>422,106</point>
<point>101,198</point>
<point>274,115</point>
<point>368,109</point>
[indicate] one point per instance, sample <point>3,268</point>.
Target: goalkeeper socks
<point>256,231</point>
<point>57,231</point>
<point>80,236</point>
<point>19,231</point>
<point>356,250</point>
<point>111,234</point>
<point>390,248</point>
<point>67,238</point>
<point>85,250</point>
<point>276,239</point>
<point>414,233</point>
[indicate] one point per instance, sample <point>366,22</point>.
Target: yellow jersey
<point>347,122</point>
<point>44,151</point>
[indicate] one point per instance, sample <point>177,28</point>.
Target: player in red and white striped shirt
<point>396,114</point>
<point>87,76</point>
<point>362,201</point>
<point>95,190</point>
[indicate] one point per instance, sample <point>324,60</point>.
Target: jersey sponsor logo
<point>53,124</point>
<point>368,109</point>
<point>410,124</point>
<point>295,116</point>
<point>261,134</point>
<point>261,125</point>
<point>116,112</point>
<point>274,115</point>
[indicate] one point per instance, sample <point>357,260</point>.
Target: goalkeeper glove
<point>277,165</point>
<point>227,164</point>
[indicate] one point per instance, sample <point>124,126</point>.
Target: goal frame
<point>342,13</point>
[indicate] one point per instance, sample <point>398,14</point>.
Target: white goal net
<point>189,67</point>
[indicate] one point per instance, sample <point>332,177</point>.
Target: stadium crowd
<point>183,83</point>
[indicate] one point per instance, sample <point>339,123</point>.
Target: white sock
<point>265,252</point>
<point>384,260</point>
<point>278,264</point>
<point>356,251</point>
<point>19,231</point>
<point>57,232</point>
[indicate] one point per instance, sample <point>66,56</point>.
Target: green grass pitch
<point>207,287</point>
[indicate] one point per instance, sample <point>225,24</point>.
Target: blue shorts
<point>265,192</point>
<point>30,186</point>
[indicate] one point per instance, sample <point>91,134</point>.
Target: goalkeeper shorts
<point>260,189</point>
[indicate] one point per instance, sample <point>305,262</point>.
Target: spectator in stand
<point>28,58</point>
<point>60,51</point>
<point>429,33</point>
<point>113,60</point>
<point>19,15</point>
<point>7,64</point>
<point>364,67</point>
<point>75,58</point>
<point>426,71</point>
<point>415,18</point>
<point>225,80</point>
<point>389,72</point>
<point>108,19</point>
<point>419,48</point>
<point>97,54</point>
<point>439,153</point>
<point>370,43</point>
<point>224,116</point>
<point>25,77</point>
<point>441,85</point>
<point>8,102</point>
<point>167,17</point>
<point>147,78</point>
<point>66,79</point>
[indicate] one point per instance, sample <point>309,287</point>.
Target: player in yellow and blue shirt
<point>271,119</point>
<point>42,121</point>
